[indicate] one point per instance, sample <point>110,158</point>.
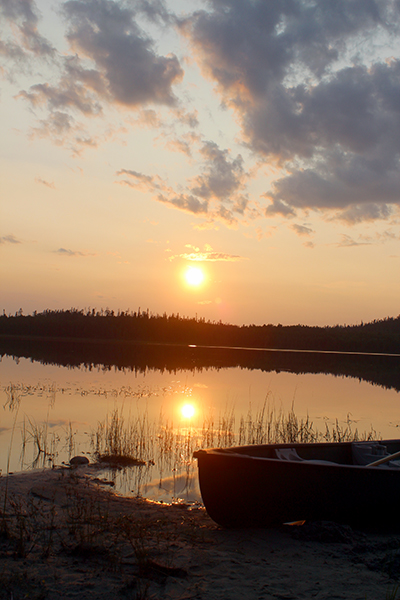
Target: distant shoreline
<point>105,341</point>
<point>132,328</point>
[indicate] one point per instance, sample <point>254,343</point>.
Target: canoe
<point>268,485</point>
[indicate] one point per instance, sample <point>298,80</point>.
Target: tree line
<point>381,336</point>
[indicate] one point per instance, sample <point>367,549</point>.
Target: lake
<point>51,412</point>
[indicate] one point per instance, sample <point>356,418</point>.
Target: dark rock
<point>78,460</point>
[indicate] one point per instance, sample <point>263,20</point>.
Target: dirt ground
<point>65,535</point>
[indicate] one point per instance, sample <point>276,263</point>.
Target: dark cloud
<point>107,33</point>
<point>281,67</point>
<point>222,177</point>
<point>114,62</point>
<point>67,95</point>
<point>25,39</point>
<point>185,202</point>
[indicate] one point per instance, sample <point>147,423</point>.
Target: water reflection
<point>53,410</point>
<point>378,369</point>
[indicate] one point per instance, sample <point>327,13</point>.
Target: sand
<point>68,536</point>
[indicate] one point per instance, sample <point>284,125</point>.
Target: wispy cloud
<point>347,241</point>
<point>217,193</point>
<point>302,230</point>
<point>49,184</point>
<point>207,255</point>
<point>23,40</point>
<point>9,239</point>
<point>67,252</point>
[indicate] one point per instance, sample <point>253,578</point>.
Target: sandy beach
<point>66,535</point>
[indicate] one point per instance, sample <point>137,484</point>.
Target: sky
<point>255,141</point>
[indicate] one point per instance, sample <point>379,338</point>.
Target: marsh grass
<point>135,441</point>
<point>13,404</point>
<point>132,443</point>
<point>271,426</point>
<point>44,443</point>
<point>126,438</point>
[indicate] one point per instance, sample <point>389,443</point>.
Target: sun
<point>188,411</point>
<point>194,276</point>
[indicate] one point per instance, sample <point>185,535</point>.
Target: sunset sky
<point>257,141</point>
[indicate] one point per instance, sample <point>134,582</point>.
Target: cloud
<point>302,230</point>
<point>307,99</point>
<point>186,118</point>
<point>217,193</point>
<point>65,252</point>
<point>24,40</point>
<point>185,202</point>
<point>9,239</point>
<point>48,184</point>
<point>114,63</point>
<point>207,255</point>
<point>125,58</point>
<point>379,237</point>
<point>185,144</point>
<point>140,181</point>
<point>68,94</point>
<point>347,241</point>
<point>222,176</point>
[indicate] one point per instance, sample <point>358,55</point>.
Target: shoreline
<point>65,535</point>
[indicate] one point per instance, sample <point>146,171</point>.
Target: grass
<point>120,442</point>
<point>133,443</point>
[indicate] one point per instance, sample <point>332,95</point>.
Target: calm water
<point>60,408</point>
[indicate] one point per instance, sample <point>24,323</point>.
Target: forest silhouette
<point>381,336</point>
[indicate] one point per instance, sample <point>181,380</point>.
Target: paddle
<point>383,460</point>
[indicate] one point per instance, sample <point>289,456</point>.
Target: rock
<point>78,460</point>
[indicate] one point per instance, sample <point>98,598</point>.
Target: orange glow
<point>188,411</point>
<point>194,276</point>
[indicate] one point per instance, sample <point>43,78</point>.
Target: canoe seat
<point>287,454</point>
<point>365,453</point>
<point>291,454</point>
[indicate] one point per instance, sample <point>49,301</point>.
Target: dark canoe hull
<point>246,487</point>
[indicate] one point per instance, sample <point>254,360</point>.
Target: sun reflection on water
<point>188,411</point>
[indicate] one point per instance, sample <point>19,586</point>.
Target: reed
<point>122,442</point>
<point>137,437</point>
<point>13,403</point>
<point>125,438</point>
